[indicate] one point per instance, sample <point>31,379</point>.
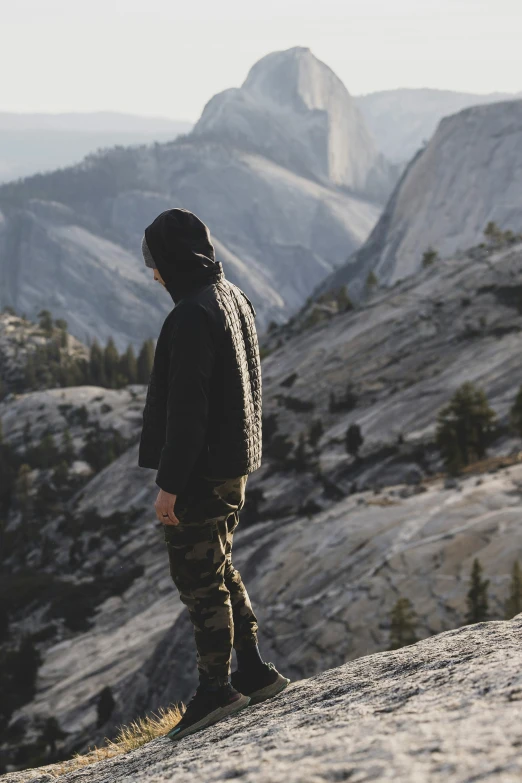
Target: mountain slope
<point>31,143</point>
<point>293,109</point>
<point>70,239</point>
<point>402,120</point>
<point>445,709</point>
<point>468,174</point>
<point>324,543</point>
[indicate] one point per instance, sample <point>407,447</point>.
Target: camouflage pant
<point>201,567</point>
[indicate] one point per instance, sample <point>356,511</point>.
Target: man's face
<point>158,277</point>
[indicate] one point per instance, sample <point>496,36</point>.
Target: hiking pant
<point>200,559</point>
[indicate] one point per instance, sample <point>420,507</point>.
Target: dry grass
<point>487,465</point>
<point>128,738</point>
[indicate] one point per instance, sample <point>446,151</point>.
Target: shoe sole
<point>270,690</point>
<point>211,718</point>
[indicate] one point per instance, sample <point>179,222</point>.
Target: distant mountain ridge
<point>402,120</point>
<point>39,142</point>
<point>279,230</point>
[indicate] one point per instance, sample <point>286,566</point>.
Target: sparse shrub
<point>371,280</point>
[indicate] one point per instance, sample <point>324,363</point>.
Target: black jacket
<point>203,406</point>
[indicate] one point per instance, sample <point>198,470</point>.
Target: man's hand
<point>164,506</point>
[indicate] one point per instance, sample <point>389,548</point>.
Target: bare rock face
<point>445,709</point>
<point>287,180</point>
<point>293,109</point>
<point>466,176</point>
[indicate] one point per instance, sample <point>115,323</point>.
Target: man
<point>202,433</point>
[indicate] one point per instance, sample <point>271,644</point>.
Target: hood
<point>179,242</point>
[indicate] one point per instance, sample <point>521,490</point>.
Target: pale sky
<point>164,57</point>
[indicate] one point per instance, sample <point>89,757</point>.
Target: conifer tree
<point>129,366</point>
<point>493,233</point>
<point>45,321</point>
<point>97,375</point>
<point>402,625</point>
<point>300,455</point>
<point>514,602</point>
<point>315,433</point>
<point>105,706</point>
<point>477,598</point>
<point>353,440</point>
<point>111,360</point>
<point>67,450</point>
<point>145,362</point>
<point>465,427</point>
<point>371,280</point>
<point>516,413</point>
<point>429,257</point>
<point>51,733</point>
<point>343,300</point>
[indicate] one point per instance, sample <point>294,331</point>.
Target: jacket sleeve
<point>192,359</point>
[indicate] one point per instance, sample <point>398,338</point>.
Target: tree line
<point>403,619</point>
<point>49,365</point>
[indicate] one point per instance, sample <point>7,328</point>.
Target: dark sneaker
<point>261,683</point>
<point>207,707</point>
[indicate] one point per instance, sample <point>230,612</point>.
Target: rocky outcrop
<point>326,547</point>
<point>465,177</point>
<point>445,709</point>
<point>294,110</point>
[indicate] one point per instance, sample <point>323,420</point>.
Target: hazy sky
<point>168,58</point>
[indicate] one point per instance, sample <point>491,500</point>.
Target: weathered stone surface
<point>446,709</point>
<point>466,176</point>
<point>293,109</point>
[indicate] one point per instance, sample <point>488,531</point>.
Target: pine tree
<point>97,375</point>
<point>111,360</point>
<point>145,362</point>
<point>67,450</point>
<point>129,366</point>
<point>51,733</point>
<point>465,427</point>
<point>429,257</point>
<point>315,433</point>
<point>493,233</point>
<point>477,598</point>
<point>514,602</point>
<point>515,413</point>
<point>105,706</point>
<point>45,321</point>
<point>25,669</point>
<point>402,624</point>
<point>353,440</point>
<point>344,302</point>
<point>371,280</point>
<point>300,456</point>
